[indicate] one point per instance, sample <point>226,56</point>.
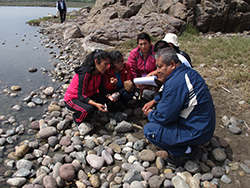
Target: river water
<point>20,49</point>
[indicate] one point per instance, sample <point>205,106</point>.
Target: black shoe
<point>181,160</point>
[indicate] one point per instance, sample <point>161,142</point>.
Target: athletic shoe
<point>181,160</point>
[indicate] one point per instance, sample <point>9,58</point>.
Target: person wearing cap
<point>184,117</point>
<point>172,39</point>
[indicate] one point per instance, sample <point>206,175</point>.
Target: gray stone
<point>156,181</point>
<point>192,167</point>
<point>132,175</point>
<point>147,155</point>
<point>218,171</point>
<point>219,154</point>
<point>179,182</point>
<point>128,166</point>
<point>85,128</point>
<point>139,145</point>
<point>32,69</point>
<point>95,161</point>
<point>47,132</point>
<point>107,157</point>
<point>124,127</point>
<point>62,125</point>
<point>245,168</point>
<point>207,177</point>
<point>22,172</point>
<point>225,121</point>
<point>37,101</point>
<point>17,182</point>
<point>22,163</point>
<point>235,130</point>
<point>226,179</point>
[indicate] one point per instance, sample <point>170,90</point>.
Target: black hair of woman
<point>115,56</point>
<point>160,45</point>
<point>96,54</point>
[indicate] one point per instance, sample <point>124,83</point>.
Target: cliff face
<point>206,15</point>
<point>110,22</point>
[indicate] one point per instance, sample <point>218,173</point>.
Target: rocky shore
<point>111,151</point>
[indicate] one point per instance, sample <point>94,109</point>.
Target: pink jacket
<point>90,85</point>
<point>84,85</point>
<point>138,66</point>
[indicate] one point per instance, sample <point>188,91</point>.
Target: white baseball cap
<point>171,38</point>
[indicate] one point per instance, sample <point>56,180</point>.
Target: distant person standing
<point>62,8</point>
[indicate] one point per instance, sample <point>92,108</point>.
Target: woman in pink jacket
<point>86,93</point>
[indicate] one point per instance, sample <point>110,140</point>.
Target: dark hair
<point>176,48</point>
<point>115,56</point>
<point>96,54</point>
<point>143,36</point>
<point>160,45</point>
<point>168,54</point>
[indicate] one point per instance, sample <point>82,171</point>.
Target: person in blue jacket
<point>182,116</point>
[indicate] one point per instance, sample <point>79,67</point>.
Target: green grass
<point>230,55</point>
<point>38,21</point>
<point>223,50</point>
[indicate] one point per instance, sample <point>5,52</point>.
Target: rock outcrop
<point>110,22</point>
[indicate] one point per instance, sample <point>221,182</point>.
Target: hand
<point>101,107</point>
<point>140,86</point>
<point>148,107</point>
<point>113,81</point>
<point>147,112</point>
<point>112,99</point>
<point>128,85</point>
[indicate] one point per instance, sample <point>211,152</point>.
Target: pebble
<point>245,168</point>
<point>95,161</point>
<point>235,130</point>
<point>179,182</point>
<point>147,155</point>
<point>17,182</point>
<point>226,179</point>
<point>32,69</point>
<point>17,107</point>
<point>219,154</point>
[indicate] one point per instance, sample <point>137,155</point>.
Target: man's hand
<point>148,107</point>
<point>140,86</point>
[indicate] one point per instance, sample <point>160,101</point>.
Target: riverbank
<point>101,155</point>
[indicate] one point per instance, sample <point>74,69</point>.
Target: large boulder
<point>73,32</point>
